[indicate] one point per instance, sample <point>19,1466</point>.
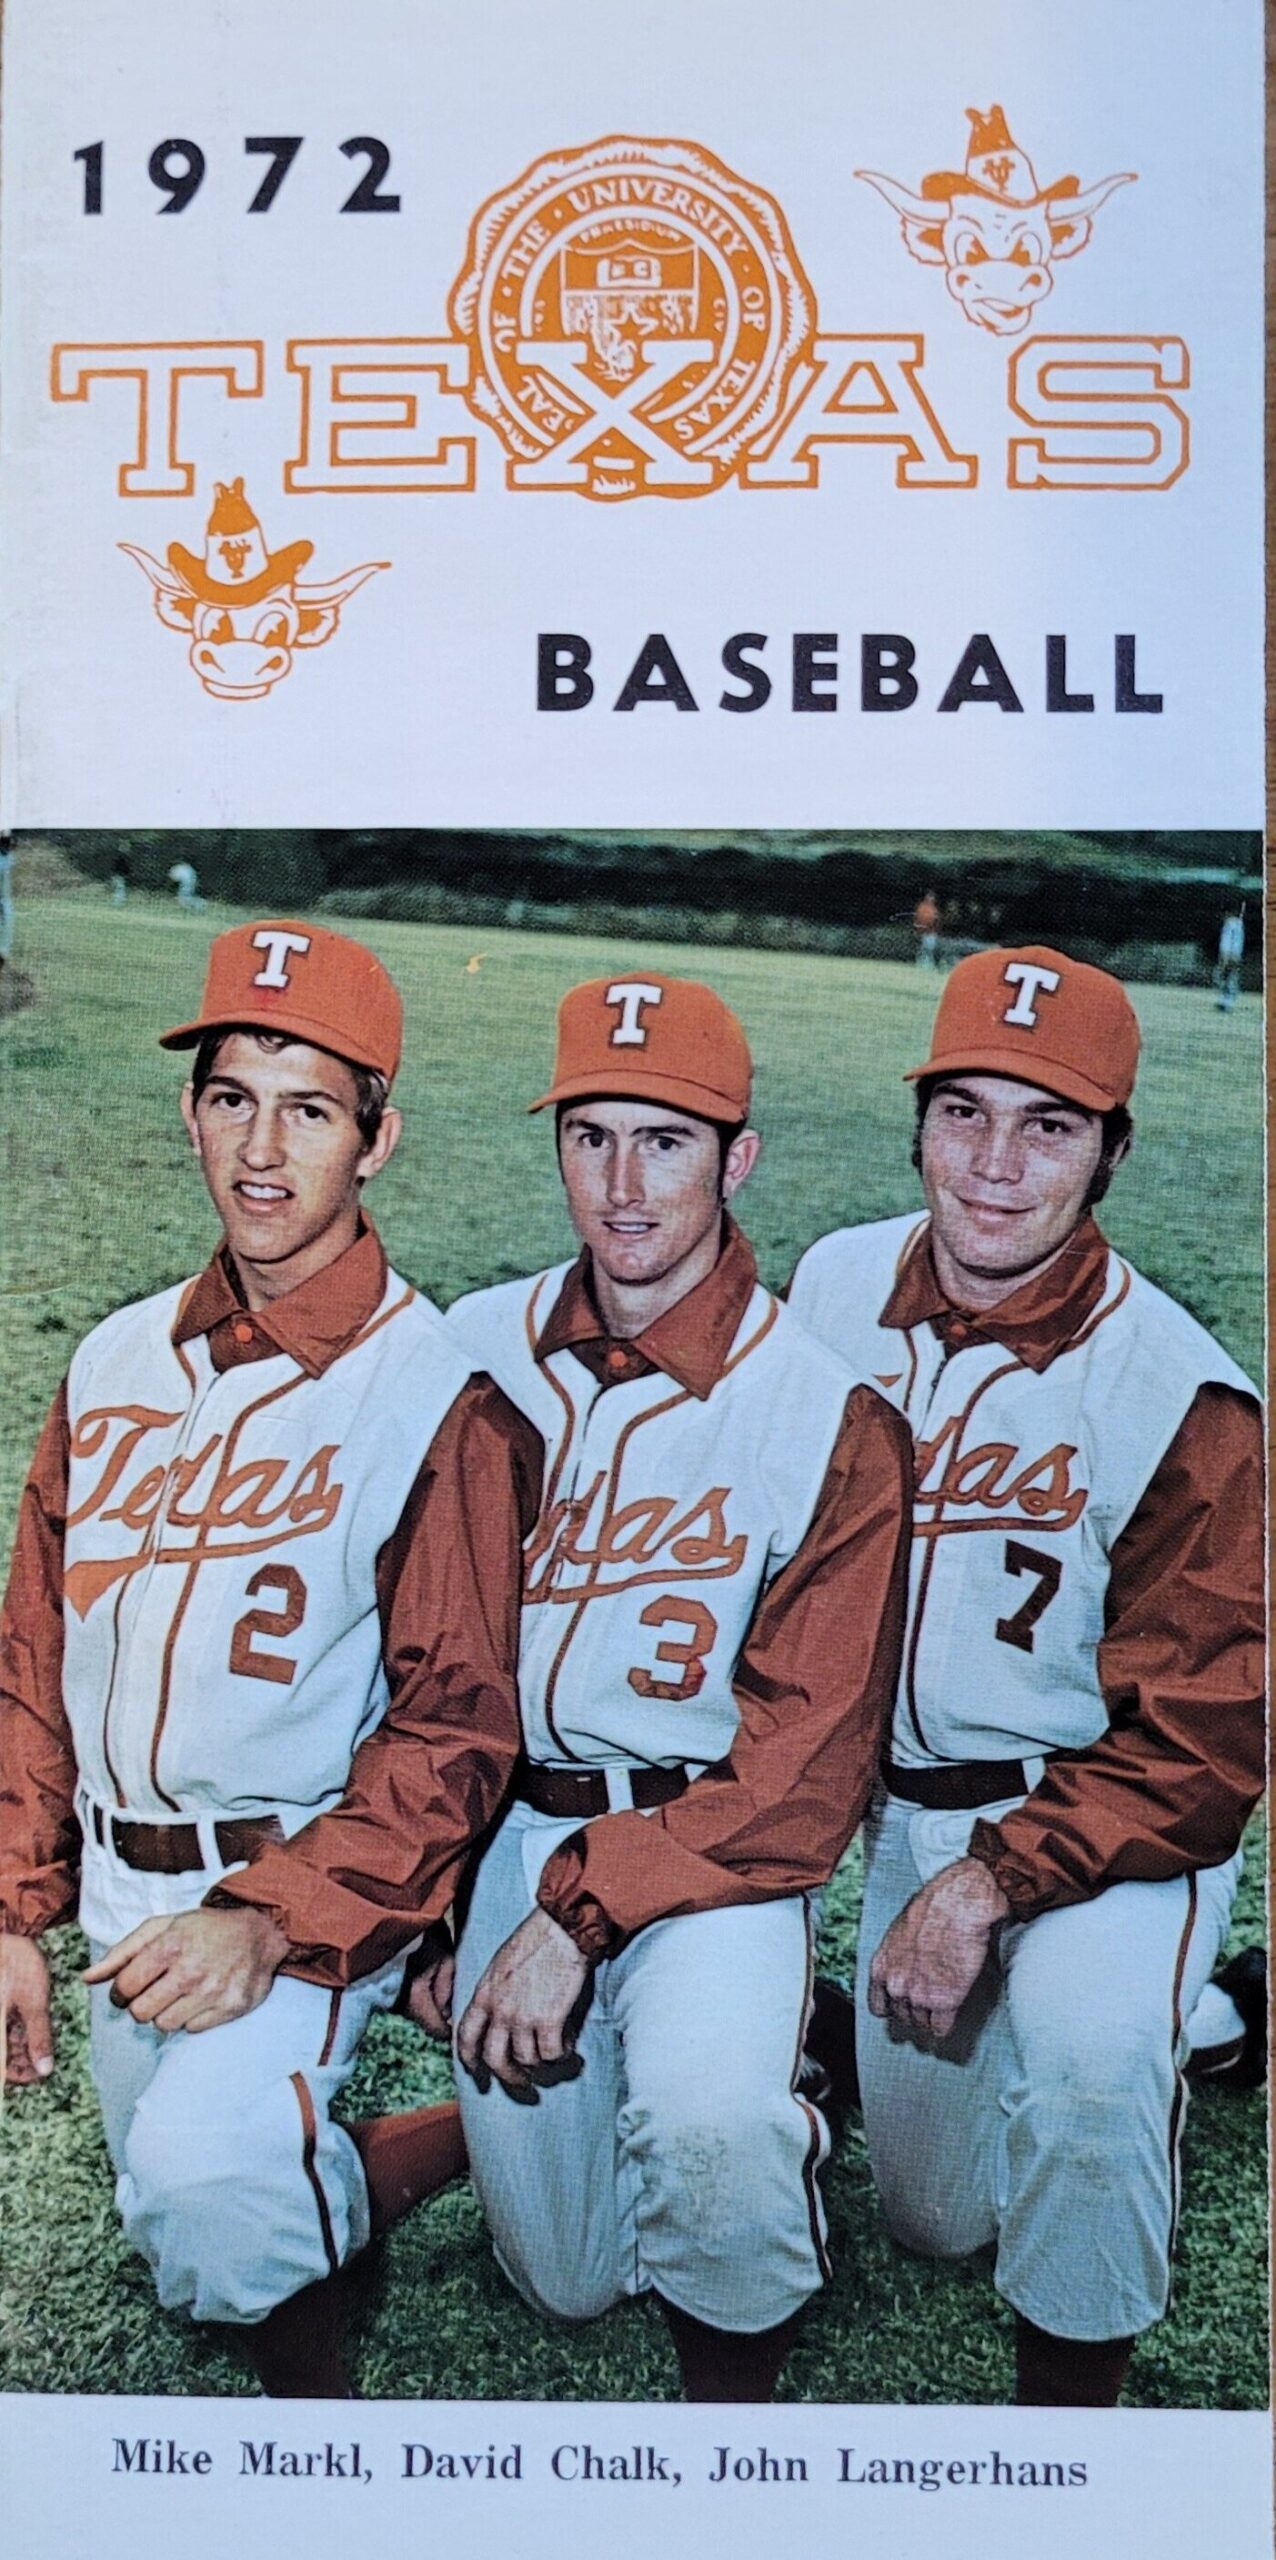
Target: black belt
<point>172,1848</point>
<point>958,1786</point>
<point>575,1794</point>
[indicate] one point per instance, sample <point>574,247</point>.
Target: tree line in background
<point>1149,904</point>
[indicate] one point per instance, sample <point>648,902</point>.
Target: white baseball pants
<point>232,2179</point>
<point>678,2155</point>
<point>1049,2123</point>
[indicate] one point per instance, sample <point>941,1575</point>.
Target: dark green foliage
<point>1161,896</point>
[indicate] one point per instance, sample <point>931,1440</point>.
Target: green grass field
<point>101,1203</point>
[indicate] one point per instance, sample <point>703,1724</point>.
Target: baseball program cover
<point>632,1871</point>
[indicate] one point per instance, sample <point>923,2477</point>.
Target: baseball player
<point>1231,952</point>
<point>185,879</point>
<point>926,923</point>
<point>712,1601</point>
<point>257,1679</point>
<point>1078,1736</point>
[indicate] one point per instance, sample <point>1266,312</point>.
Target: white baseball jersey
<point>1025,1480</point>
<point>664,1517</point>
<point>222,1649</point>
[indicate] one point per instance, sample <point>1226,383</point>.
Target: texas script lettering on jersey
<point>194,1508</point>
<point>993,1486</point>
<point>652,1540</point>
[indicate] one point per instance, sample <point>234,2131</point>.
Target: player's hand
<point>26,2029</point>
<point>430,1996</point>
<point>518,2017</point>
<point>195,1970</point>
<point>935,1950</point>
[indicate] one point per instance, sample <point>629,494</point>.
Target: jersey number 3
<point>246,1655</point>
<point>1021,1629</point>
<point>687,1651</point>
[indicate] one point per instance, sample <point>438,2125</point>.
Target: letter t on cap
<point>1031,981</point>
<point>277,945</point>
<point>631,995</point>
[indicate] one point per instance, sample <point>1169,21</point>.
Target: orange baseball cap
<point>1041,1017</point>
<point>659,1039</point>
<point>317,986</point>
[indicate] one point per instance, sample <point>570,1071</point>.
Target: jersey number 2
<point>245,1656</point>
<point>1020,1630</point>
<point>688,1651</point>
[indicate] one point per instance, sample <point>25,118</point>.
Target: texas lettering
<point>683,1541</point>
<point>632,319</point>
<point>192,1507</point>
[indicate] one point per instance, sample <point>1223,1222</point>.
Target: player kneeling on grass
<point>712,1606</point>
<point>257,1688</point>
<point>1078,1737</point>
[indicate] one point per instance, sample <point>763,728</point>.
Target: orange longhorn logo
<point>244,628</point>
<point>993,230</point>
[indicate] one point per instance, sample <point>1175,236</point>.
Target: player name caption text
<point>156,2457</point>
<point>722,2466</point>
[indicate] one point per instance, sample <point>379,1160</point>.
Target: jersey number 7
<point>1020,1630</point>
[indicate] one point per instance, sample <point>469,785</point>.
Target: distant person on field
<point>185,879</point>
<point>926,919</point>
<point>1231,952</point>
<point>120,877</point>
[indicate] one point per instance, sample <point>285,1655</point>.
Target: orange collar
<point>1036,1322</point>
<point>691,1342</point>
<point>313,1323</point>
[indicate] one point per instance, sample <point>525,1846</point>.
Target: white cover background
<point>421,710</point>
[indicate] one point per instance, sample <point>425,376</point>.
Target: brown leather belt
<point>173,1849</point>
<point>575,1794</point>
<point>959,1786</point>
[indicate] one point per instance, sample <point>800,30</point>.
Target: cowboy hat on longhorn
<point>995,168</point>
<point>236,567</point>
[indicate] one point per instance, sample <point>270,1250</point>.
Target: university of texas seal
<point>635,313</point>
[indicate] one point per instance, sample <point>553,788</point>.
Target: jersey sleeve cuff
<point>566,1900</point>
<point>1025,1890</point>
